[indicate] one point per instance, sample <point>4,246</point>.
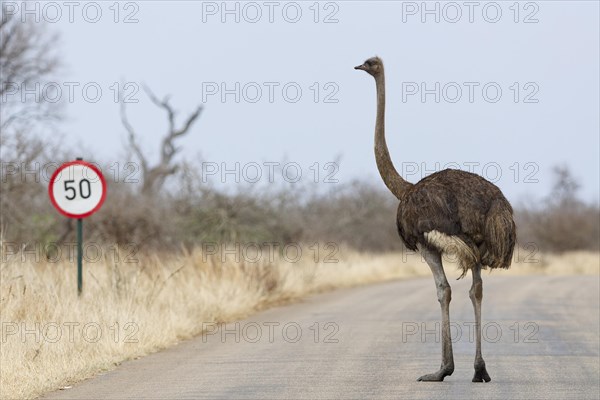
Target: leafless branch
<point>155,176</point>
<point>27,57</point>
<point>131,137</point>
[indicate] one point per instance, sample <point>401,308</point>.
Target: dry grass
<point>51,338</point>
<point>161,300</point>
<point>569,263</point>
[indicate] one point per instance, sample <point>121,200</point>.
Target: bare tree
<point>27,59</point>
<point>564,191</point>
<point>155,176</point>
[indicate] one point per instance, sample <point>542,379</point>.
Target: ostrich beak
<point>363,67</point>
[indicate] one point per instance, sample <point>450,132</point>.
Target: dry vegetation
<point>159,301</point>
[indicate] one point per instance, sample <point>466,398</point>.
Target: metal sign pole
<point>79,255</point>
<point>79,251</point>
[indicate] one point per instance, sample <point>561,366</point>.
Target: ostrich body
<point>450,211</point>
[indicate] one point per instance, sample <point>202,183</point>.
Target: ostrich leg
<point>434,260</point>
<point>476,294</point>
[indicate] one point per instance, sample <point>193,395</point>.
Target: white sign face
<point>77,189</point>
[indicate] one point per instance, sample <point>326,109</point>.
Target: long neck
<point>392,179</point>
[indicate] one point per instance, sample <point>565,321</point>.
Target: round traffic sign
<point>77,189</point>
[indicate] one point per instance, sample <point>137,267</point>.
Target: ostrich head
<point>373,66</point>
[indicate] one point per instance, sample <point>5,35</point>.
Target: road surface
<point>541,342</point>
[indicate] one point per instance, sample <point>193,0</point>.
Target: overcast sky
<point>518,86</point>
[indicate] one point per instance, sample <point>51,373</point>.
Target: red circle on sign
<point>57,173</point>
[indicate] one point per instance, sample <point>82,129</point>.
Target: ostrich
<point>450,211</point>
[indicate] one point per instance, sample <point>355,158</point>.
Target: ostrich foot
<point>437,376</point>
<point>481,373</point>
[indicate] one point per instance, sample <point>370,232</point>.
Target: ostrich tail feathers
<point>500,235</point>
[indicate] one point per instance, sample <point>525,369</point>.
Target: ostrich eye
<point>369,63</point>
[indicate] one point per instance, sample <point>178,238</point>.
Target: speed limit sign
<point>77,189</point>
